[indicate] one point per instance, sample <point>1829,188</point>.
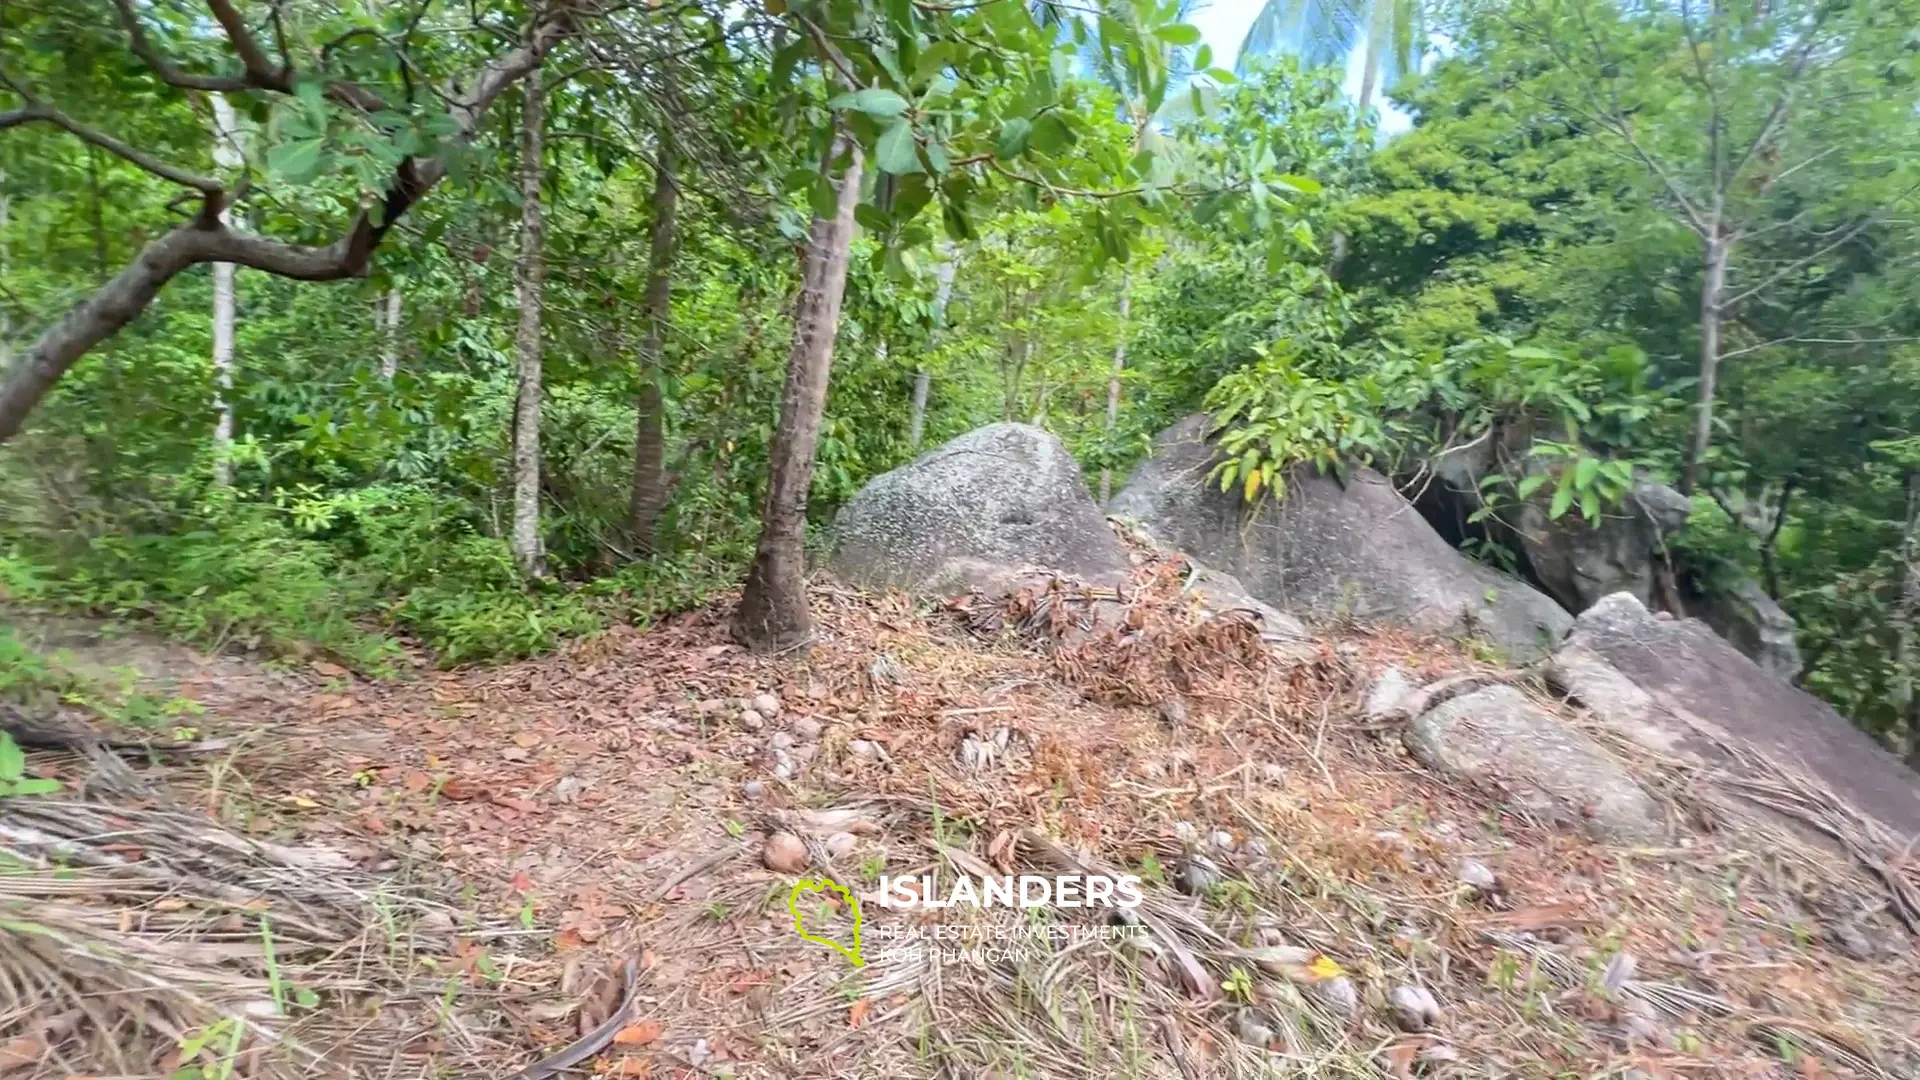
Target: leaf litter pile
<point>582,866</point>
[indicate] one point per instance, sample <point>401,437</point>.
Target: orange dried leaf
<point>858,1014</point>
<point>639,1034</point>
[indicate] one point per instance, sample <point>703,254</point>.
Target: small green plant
<point>1238,983</point>
<point>13,772</point>
<point>734,828</point>
<point>225,1033</point>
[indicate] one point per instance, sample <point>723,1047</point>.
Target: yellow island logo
<point>832,891</point>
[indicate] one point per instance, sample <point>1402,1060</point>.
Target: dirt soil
<point>1317,904</point>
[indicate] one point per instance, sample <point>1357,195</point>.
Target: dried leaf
<point>417,781</point>
<point>20,1053</point>
<point>640,1034</point>
<point>858,1014</point>
<point>526,740</point>
<point>632,1066</point>
<point>1324,967</point>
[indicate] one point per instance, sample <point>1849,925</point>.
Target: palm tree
<point>1327,31</point>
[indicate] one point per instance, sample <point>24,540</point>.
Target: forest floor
<point>473,869</point>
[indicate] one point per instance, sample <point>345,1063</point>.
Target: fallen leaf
<point>1324,967</point>
<point>1400,1059</point>
<point>417,782</point>
<point>526,740</point>
<point>632,1066</point>
<point>21,1053</point>
<point>458,790</point>
<point>858,1014</point>
<point>521,882</point>
<point>568,939</point>
<point>639,1034</point>
<point>331,671</point>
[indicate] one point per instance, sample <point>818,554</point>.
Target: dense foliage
<point>1659,241</point>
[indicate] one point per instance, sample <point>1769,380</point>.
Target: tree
<point>529,278</point>
<point>414,165</point>
<point>1734,111</point>
<point>228,157</point>
<point>649,495</point>
<point>773,611</point>
<point>1320,32</point>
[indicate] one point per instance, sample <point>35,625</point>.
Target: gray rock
<point>1697,690</point>
<point>990,502</point>
<point>1475,873</point>
<point>1414,1008</point>
<point>1389,690</point>
<point>1746,616</point>
<point>1329,550</point>
<point>1498,737</point>
<point>1578,561</point>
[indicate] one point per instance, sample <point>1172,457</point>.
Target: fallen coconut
<point>784,853</point>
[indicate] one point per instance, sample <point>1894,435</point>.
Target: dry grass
<point>598,796</point>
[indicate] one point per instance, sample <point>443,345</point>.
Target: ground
<point>573,846</point>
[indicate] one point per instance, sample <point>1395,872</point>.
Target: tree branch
<point>38,110</point>
<point>207,239</point>
<point>261,71</point>
<point>143,48</point>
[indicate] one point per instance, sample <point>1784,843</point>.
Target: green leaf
<point>1178,34</point>
<point>1204,58</point>
<point>1590,505</point>
<point>1305,185</point>
<point>872,218</point>
<point>297,162</point>
<point>1562,499</point>
<point>1013,138</point>
<point>1529,484</point>
<point>1050,134</point>
<point>1222,76</point>
<point>13,760</point>
<point>880,103</point>
<point>896,152</point>
<point>1585,471</point>
<point>35,785</point>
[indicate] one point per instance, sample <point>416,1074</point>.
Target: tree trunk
<point>773,609</point>
<point>1713,287</point>
<point>1113,379</point>
<point>390,334</point>
<point>923,379</point>
<point>529,279</point>
<point>226,155</point>
<point>650,436</point>
<point>917,421</point>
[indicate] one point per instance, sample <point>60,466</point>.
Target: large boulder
<point>1330,549</point>
<point>974,512</point>
<point>1577,561</point>
<point>1499,738</point>
<point>1746,616</point>
<point>1676,685</point>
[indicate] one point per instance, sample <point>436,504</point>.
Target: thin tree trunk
<point>529,279</point>
<point>226,155</point>
<point>923,379</point>
<point>1713,288</point>
<point>773,609</point>
<point>1113,379</point>
<point>650,434</point>
<point>390,334</point>
<point>917,421</point>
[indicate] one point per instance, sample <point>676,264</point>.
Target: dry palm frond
<point>159,929</point>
